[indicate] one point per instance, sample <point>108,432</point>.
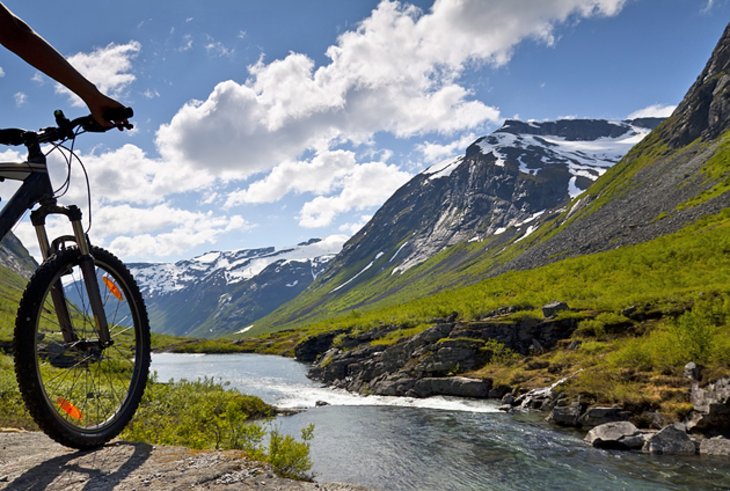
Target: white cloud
<point>158,231</point>
<point>368,185</point>
<point>397,72</point>
<point>151,94</point>
<point>20,98</point>
<point>653,111</point>
<point>109,68</point>
<point>216,48</point>
<point>187,43</point>
<point>127,174</point>
<point>435,152</point>
<point>2,72</point>
<point>319,176</point>
<point>187,231</point>
<point>354,227</point>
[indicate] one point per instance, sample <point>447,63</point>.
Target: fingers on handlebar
<point>118,117</point>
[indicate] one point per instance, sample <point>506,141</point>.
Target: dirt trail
<point>32,461</point>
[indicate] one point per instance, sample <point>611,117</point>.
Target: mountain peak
<point>705,110</point>
<point>499,187</point>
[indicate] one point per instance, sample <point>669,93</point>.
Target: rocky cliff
<point>677,175</point>
<point>503,180</point>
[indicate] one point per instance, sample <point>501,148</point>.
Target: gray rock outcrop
<point>620,435</point>
<point>711,414</point>
<point>671,440</point>
<point>715,446</point>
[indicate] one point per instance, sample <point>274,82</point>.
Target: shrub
<point>698,335</point>
<point>289,457</point>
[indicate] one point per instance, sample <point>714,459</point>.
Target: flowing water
<point>392,443</point>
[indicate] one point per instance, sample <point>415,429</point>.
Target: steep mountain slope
<point>14,256</point>
<point>220,293</point>
<point>487,198</point>
<point>675,176</point>
<point>680,173</point>
<point>505,179</point>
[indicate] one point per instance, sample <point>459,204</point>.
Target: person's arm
<point>19,38</point>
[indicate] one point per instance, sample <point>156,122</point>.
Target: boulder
<point>619,435</point>
<point>452,386</point>
<point>508,398</point>
<point>711,415</point>
<point>549,310</point>
<point>692,371</point>
<point>393,387</point>
<point>670,440</point>
<point>310,349</point>
<point>599,415</point>
<point>650,419</point>
<point>715,446</point>
<point>452,356</point>
<point>566,415</point>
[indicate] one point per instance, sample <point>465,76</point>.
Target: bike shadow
<point>103,468</point>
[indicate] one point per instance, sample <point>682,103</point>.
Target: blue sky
<point>267,123</point>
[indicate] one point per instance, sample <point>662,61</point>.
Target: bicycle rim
<point>85,393</point>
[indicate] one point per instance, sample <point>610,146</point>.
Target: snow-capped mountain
<point>222,292</point>
<point>504,181</point>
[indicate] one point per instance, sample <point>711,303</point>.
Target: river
<point>392,443</point>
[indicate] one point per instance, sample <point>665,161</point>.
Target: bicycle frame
<point>37,188</point>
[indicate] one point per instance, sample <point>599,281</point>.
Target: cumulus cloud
<point>319,176</point>
<point>145,232</point>
<point>108,67</point>
<point>653,111</point>
<point>163,231</point>
<point>20,99</point>
<point>397,72</point>
<point>366,186</point>
<point>436,152</point>
<point>128,174</point>
<point>354,227</point>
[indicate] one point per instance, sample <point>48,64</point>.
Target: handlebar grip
<point>12,136</point>
<point>118,114</point>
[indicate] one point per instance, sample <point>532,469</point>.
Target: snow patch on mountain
<point>444,168</point>
<point>231,267</point>
<point>588,158</point>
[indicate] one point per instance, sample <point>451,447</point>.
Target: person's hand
<point>100,105</point>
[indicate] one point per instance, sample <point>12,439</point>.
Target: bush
<point>289,457</point>
<point>698,335</point>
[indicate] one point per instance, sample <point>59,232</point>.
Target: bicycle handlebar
<point>65,128</point>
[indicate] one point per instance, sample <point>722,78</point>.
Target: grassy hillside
<point>698,186</point>
<point>665,274</point>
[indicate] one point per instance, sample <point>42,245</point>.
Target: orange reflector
<point>112,288</point>
<point>69,408</point>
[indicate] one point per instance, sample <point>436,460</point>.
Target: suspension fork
<point>86,264</point>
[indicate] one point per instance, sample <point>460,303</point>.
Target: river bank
<point>452,358</point>
<point>435,443</point>
<point>30,460</point>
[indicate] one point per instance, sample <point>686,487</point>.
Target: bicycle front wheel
<point>79,391</point>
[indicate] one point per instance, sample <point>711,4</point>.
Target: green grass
<point>469,264</point>
<point>662,274</point>
<point>200,415</point>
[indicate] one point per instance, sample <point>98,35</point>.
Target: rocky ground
<point>430,363</point>
<point>31,461</point>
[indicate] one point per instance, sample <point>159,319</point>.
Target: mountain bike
<point>81,338</point>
